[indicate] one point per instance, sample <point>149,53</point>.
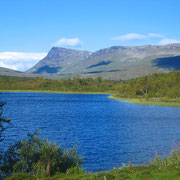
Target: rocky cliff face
<point>59,59</point>
<point>115,62</point>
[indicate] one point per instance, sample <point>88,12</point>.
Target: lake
<point>107,132</point>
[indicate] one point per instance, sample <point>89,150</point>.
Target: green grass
<point>152,101</point>
<point>126,173</point>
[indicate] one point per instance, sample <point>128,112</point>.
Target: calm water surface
<point>107,132</point>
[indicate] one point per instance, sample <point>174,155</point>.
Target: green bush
<point>172,161</point>
<point>37,156</point>
<point>76,170</point>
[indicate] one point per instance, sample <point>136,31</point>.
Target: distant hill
<point>11,72</point>
<point>117,62</point>
<point>6,70</point>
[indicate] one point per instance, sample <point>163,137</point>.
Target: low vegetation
<point>37,157</point>
<point>165,85</point>
<point>62,85</point>
<point>167,168</point>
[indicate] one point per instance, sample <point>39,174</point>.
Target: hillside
<point>6,70</point>
<point>117,62</point>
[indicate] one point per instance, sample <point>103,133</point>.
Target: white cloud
<point>168,41</point>
<point>74,42</point>
<point>155,35</point>
<point>136,37</point>
<point>21,55</point>
<point>129,37</point>
<point>20,60</point>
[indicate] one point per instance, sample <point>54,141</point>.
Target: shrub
<point>37,156</point>
<point>172,161</point>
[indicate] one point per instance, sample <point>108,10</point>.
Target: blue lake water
<point>107,132</point>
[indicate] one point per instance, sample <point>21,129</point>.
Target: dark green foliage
<point>38,157</point>
<point>153,86</point>
<point>21,176</point>
<point>3,121</point>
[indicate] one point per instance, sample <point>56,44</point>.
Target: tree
<point>142,86</point>
<point>3,121</point>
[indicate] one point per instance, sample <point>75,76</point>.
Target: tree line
<point>164,85</point>
<point>76,84</point>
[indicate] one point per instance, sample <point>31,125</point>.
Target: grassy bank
<point>126,173</point>
<point>151,101</point>
<point>60,92</point>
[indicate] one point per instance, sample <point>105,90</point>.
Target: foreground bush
<point>167,168</point>
<point>39,157</point>
<point>172,161</point>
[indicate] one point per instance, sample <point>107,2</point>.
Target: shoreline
<point>57,92</point>
<point>152,102</point>
<point>155,102</point>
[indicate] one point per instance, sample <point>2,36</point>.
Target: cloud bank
<point>74,42</point>
<point>20,61</point>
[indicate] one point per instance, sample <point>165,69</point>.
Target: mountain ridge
<point>115,62</point>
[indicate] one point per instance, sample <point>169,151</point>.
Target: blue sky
<point>29,28</point>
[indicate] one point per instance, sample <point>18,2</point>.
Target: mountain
<point>59,61</point>
<point>6,71</point>
<point>117,62</point>
<point>11,72</point>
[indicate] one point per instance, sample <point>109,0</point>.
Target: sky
<point>30,28</point>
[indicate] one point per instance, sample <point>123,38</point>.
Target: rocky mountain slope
<point>117,62</point>
<point>60,60</point>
